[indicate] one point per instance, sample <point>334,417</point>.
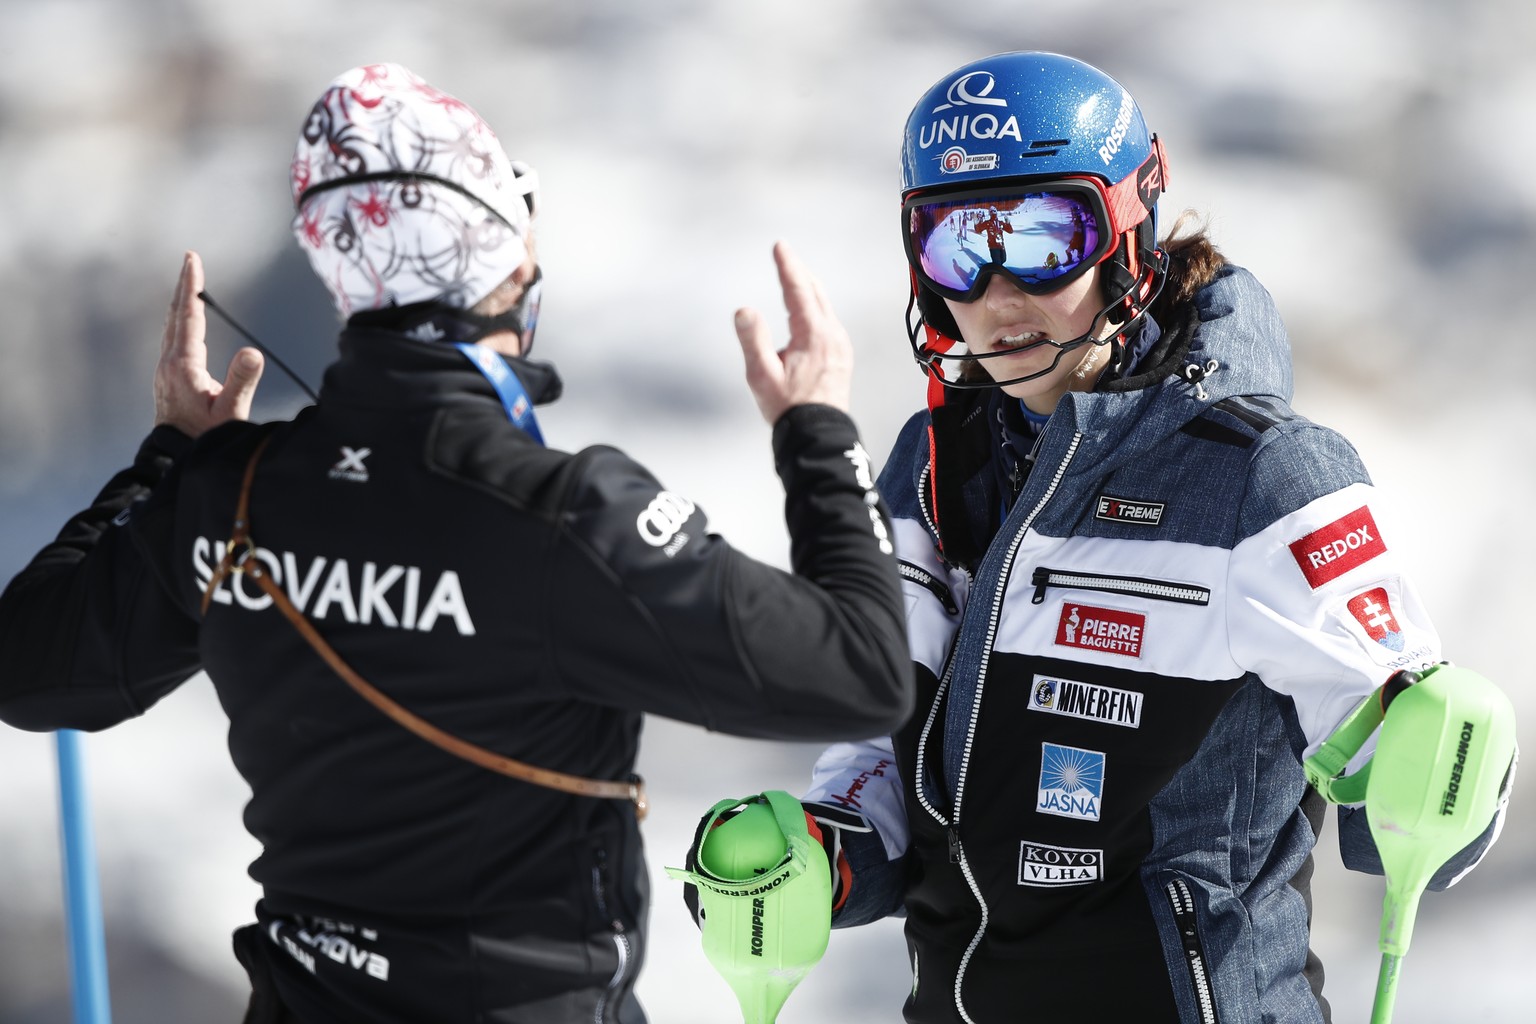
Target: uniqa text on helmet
<point>975,126</point>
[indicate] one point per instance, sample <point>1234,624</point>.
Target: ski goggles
<point>1041,235</point>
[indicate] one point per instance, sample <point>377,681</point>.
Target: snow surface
<point>1368,161</point>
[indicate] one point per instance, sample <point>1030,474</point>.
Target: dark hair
<point>1193,260</point>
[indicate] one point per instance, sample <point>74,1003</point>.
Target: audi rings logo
<point>960,92</point>
<point>659,521</point>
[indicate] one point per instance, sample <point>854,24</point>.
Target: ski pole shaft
<point>1386,988</point>
<point>82,892</point>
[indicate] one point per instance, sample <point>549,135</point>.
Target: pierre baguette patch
<point>1108,630</point>
<point>1325,555</point>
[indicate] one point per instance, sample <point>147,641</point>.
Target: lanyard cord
<point>514,398</point>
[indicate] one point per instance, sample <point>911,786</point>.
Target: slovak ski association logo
<point>1071,782</point>
<point>1373,610</point>
<point>955,160</point>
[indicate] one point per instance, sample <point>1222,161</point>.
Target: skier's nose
<point>1002,293</point>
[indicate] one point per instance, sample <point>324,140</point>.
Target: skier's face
<point>506,295</point>
<point>1004,317</point>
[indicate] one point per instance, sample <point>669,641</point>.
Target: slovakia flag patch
<point>1373,610</point>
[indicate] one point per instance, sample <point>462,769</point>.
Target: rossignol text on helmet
<point>1036,167</point>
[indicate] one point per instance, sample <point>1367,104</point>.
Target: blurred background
<point>1368,160</point>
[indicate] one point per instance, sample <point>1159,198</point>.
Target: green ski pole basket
<point>765,898</point>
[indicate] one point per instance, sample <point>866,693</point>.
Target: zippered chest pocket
<point>1146,623</point>
<point>1131,586</point>
<point>933,606</point>
<point>931,583</point>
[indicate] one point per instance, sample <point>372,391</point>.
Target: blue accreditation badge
<point>514,397</point>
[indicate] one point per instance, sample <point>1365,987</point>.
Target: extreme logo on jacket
<point>389,596</point>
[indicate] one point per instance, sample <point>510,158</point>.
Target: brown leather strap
<point>237,560</point>
<point>240,545</point>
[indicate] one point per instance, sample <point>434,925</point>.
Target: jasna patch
<point>1071,782</point>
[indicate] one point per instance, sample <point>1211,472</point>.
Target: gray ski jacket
<point>1098,811</point>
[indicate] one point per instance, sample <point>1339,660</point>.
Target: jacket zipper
<point>620,939</point>
<point>922,502</point>
<point>997,611</point>
<point>1161,590</point>
<point>1183,904</point>
<point>927,580</point>
<point>952,827</point>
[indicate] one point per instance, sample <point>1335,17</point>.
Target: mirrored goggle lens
<point>1037,236</point>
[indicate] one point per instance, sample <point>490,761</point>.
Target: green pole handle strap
<point>1325,769</point>
<point>765,898</point>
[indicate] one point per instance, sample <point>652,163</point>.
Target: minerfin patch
<point>1087,701</point>
<point>1071,782</point>
<point>1048,867</point>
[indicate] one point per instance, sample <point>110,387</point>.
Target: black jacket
<point>531,601</point>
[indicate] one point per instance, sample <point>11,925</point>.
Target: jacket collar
<point>385,369</point>
<point>1231,322</point>
<point>1228,341</point>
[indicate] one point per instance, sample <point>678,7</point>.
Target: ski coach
<point>435,637</point>
<point>1143,594</point>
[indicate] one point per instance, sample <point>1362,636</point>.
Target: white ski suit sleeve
<point>1324,613</point>
<point>862,777</point>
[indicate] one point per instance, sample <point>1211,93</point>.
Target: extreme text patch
<point>1101,629</point>
<point>1343,544</point>
<point>1086,700</point>
<point>1050,866</point>
<point>1123,510</point>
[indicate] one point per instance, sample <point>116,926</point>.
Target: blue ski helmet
<point>1053,136</point>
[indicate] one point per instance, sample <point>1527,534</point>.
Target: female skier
<point>1141,590</point>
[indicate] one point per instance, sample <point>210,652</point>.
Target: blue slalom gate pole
<point>82,891</point>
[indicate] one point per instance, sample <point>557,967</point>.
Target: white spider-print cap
<point>404,194</point>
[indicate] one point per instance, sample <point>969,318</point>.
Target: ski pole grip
<point>764,897</point>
